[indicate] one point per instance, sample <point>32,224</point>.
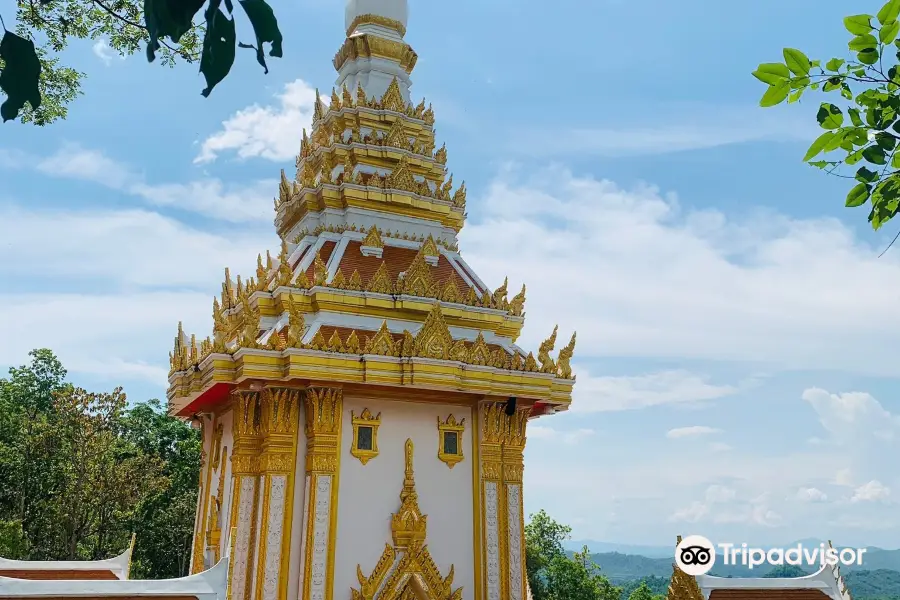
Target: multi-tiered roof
<point>369,285</point>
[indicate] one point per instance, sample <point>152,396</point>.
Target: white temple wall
<point>369,494</point>
<point>294,573</point>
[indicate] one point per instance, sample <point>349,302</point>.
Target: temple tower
<point>363,402</point>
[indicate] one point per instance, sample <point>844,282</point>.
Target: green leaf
<point>875,155</point>
<point>20,76</point>
<point>895,160</point>
<point>868,57</point>
<point>772,73</point>
<point>829,116</point>
<point>834,64</point>
<point>797,62</point>
<point>845,92</point>
<point>864,175</point>
<point>775,94</point>
<point>168,18</point>
<point>889,12</point>
<point>265,25</point>
<point>854,157</point>
<point>821,164</point>
<point>863,42</point>
<point>858,24</point>
<point>886,141</point>
<point>889,32</point>
<point>855,118</point>
<point>858,195</point>
<point>818,145</point>
<point>218,49</point>
<point>795,96</point>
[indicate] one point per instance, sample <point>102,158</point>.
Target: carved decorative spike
<point>450,293</point>
<point>318,342</point>
<point>396,138</point>
<point>383,342</point>
<point>471,297</point>
<point>355,283</point>
<point>334,343</point>
<point>335,101</point>
<point>361,99</point>
<point>428,115</point>
<point>307,174</point>
<point>347,176</point>
<point>347,97</point>
<point>546,347</point>
<point>441,155</point>
<point>401,177</point>
<point>417,280</point>
<point>317,108</point>
<point>480,354</point>
<point>392,99</point>
<point>353,346</point>
<point>564,369</point>
<point>339,281</point>
<point>320,270</point>
<point>296,326</point>
<point>373,238</point>
<point>531,365</point>
<point>498,299</point>
<point>434,340</point>
<point>302,281</point>
<point>517,304</point>
<point>459,198</point>
<point>380,282</point>
<point>408,345</point>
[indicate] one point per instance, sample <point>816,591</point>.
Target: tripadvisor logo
<point>696,555</point>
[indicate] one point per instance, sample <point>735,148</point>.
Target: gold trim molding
<point>365,420</point>
<point>450,426</point>
<point>369,19</point>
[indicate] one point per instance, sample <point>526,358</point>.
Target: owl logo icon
<point>695,555</point>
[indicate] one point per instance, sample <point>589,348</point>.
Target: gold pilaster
<point>492,513</point>
<point>202,499</point>
<point>244,500</point>
<point>513,449</point>
<point>279,421</point>
<point>324,411</point>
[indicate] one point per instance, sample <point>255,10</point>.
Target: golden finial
<point>348,98</point>
<point>321,272</point>
<point>498,299</point>
<point>546,347</point>
<point>302,281</point>
<point>327,168</point>
<point>428,115</point>
<point>285,273</point>
<point>296,326</point>
<point>335,101</point>
<point>459,198</point>
<point>317,109</point>
<point>564,370</point>
<point>361,95</point>
<point>420,109</point>
<point>517,304</point>
<point>445,189</point>
<point>285,190</point>
<point>373,238</point>
<point>304,145</point>
<point>261,274</point>
<point>441,155</point>
<point>408,525</point>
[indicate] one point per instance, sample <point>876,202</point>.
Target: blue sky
<point>736,354</point>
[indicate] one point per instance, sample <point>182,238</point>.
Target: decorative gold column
<point>279,420</point>
<point>513,468</point>
<point>245,487</point>
<point>202,497</point>
<point>324,410</point>
<point>491,455</point>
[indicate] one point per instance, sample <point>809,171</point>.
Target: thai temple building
<point>362,398</point>
<point>825,584</point>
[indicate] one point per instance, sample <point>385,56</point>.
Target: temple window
<point>365,435</point>
<point>450,446</point>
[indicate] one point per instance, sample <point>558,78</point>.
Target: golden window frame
<point>451,426</point>
<point>365,419</point>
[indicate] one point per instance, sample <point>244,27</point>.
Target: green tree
<point>643,592</point>
<point>552,574</point>
<point>861,126</point>
<point>39,89</point>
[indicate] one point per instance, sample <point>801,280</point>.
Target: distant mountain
<point>603,547</point>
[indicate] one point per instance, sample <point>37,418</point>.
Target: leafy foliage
<point>861,128</point>
<point>552,574</point>
<point>81,471</point>
<point>38,89</point>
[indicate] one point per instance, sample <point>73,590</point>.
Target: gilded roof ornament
<point>338,281</point>
<point>459,351</point>
<point>408,525</point>
<point>250,325</point>
<point>302,281</point>
<point>347,176</point>
<point>261,274</point>
<point>285,273</point>
<point>546,347</point>
<point>683,586</point>
<point>296,326</point>
<point>318,341</point>
<point>401,177</point>
<point>334,343</point>
<point>450,293</point>
<point>429,248</point>
<point>480,354</point>
<point>335,101</point>
<point>373,238</point>
<point>434,340</point>
<point>564,370</point>
<point>517,304</point>
<point>361,99</point>
<point>428,115</point>
<point>459,197</point>
<point>353,346</point>
<point>320,270</point>
<point>396,138</point>
<point>307,175</point>
<point>417,280</point>
<point>392,98</point>
<point>347,96</point>
<point>355,284</point>
<point>327,168</point>
<point>275,341</point>
<point>531,365</point>
<point>471,297</point>
<point>441,155</point>
<point>380,283</point>
<point>382,344</point>
<point>318,109</point>
<point>304,146</point>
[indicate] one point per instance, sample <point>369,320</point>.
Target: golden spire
<point>408,525</point>
<point>683,586</point>
<point>441,155</point>
<point>459,197</point>
<point>317,109</point>
<point>285,273</point>
<point>335,101</point>
<point>348,98</point>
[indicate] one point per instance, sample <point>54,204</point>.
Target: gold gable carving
<point>417,280</point>
<point>429,248</point>
<point>383,342</point>
<point>401,177</point>
<point>416,576</point>
<point>373,238</point>
<point>392,99</point>
<point>434,339</point>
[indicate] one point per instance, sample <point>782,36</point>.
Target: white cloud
<point>872,491</point>
<point>692,431</point>
<point>684,128</point>
<point>720,447</point>
<point>104,52</point>
<point>599,394</point>
<point>543,432</point>
<point>717,494</point>
<point>658,280</point>
<point>811,494</point>
<point>270,132</point>
<point>843,478</point>
<point>852,416</point>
